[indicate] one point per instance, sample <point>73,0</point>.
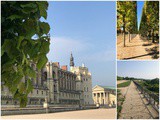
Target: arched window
<point>55,87</point>
<point>15,102</point>
<point>53,74</point>
<point>44,76</point>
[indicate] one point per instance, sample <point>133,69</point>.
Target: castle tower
<point>71,61</point>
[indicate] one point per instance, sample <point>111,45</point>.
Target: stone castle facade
<point>58,84</point>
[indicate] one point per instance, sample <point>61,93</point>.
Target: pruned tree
<point>127,17</point>
<point>150,19</point>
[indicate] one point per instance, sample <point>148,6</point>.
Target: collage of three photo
<point>80,59</point>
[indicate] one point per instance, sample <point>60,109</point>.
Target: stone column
<point>100,98</point>
<point>39,78</point>
<point>108,98</point>
<point>104,97</point>
<point>71,82</point>
<point>66,81</point>
<point>95,98</point>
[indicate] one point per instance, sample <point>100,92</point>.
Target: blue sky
<point>139,11</point>
<point>138,69</point>
<point>88,30</point>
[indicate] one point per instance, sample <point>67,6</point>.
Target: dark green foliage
<point>120,100</point>
<point>119,78</point>
<point>119,108</point>
<point>149,25</point>
<point>20,21</point>
<point>151,85</point>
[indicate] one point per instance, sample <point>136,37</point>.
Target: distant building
<point>104,95</point>
<point>58,85</point>
<point>84,83</point>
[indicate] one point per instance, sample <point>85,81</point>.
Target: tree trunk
<point>149,35</point>
<point>153,36</point>
<point>129,37</point>
<point>124,36</point>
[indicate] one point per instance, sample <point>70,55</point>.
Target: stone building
<point>84,82</point>
<point>61,84</point>
<point>58,85</point>
<point>104,95</point>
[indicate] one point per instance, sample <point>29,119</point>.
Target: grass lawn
<point>124,84</point>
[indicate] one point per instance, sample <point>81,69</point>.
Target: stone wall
<point>18,111</point>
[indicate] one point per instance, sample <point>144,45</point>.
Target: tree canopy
<point>24,40</point>
<point>150,19</point>
<point>127,17</point>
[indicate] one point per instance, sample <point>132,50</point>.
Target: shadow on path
<point>134,45</point>
<point>138,56</point>
<point>154,52</point>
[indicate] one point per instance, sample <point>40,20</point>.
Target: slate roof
<point>107,87</point>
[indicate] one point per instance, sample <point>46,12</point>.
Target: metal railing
<point>151,97</point>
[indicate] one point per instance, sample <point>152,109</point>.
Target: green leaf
<point>30,5</point>
<point>12,17</point>
<point>21,87</point>
<point>28,71</point>
<point>20,38</point>
<point>44,27</point>
<point>44,47</point>
<point>43,7</point>
<point>29,86</point>
<point>42,61</point>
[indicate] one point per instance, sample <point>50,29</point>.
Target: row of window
<point>40,92</point>
<point>86,96</point>
<point>69,95</point>
<point>61,74</point>
<point>70,85</point>
<point>85,79</point>
<point>85,89</point>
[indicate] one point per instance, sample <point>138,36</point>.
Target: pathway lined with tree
<point>138,49</point>
<point>145,44</point>
<point>135,106</point>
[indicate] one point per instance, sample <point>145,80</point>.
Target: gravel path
<point>133,106</point>
<point>136,49</point>
<point>82,114</point>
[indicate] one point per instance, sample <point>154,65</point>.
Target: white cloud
<point>61,48</point>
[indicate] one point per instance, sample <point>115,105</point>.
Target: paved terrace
<point>82,114</point>
<point>135,107</point>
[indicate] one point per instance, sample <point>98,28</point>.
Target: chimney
<point>57,64</point>
<point>64,67</point>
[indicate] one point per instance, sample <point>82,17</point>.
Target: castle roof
<point>107,87</point>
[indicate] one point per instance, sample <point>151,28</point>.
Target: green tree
<point>24,40</point>
<point>150,19</point>
<point>127,17</point>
